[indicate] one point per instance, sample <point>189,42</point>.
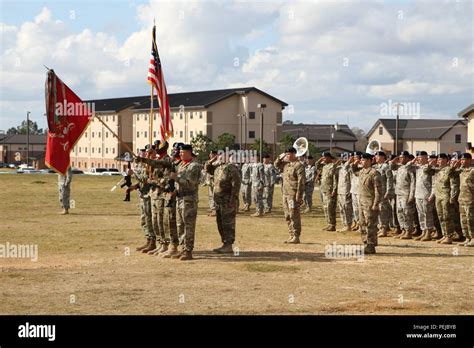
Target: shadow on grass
<point>246,256</point>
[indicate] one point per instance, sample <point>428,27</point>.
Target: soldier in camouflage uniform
<point>64,187</point>
<point>344,196</point>
<point>246,186</point>
<point>226,193</point>
<point>329,189</point>
<point>143,188</point>
<point>446,189</point>
<point>356,156</point>
<point>310,172</point>
<point>270,173</point>
<point>370,196</point>
<point>257,178</point>
<point>466,199</point>
<point>388,192</point>
<point>424,194</point>
<point>393,203</point>
<point>293,176</point>
<point>210,187</point>
<point>405,191</point>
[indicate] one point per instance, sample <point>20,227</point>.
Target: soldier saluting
<point>226,194</point>
<point>293,175</point>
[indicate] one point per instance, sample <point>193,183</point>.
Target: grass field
<point>83,266</point>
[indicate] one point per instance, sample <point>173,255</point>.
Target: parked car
<point>27,170</point>
<point>103,171</point>
<point>47,171</point>
<point>77,171</point>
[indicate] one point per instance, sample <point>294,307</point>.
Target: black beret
<point>291,149</point>
<point>405,153</point>
<point>443,155</point>
<point>366,155</point>
<point>327,154</point>
<point>380,153</point>
<point>433,156</point>
<point>466,155</point>
<point>358,153</point>
<point>411,156</point>
<point>266,155</point>
<point>214,152</point>
<point>157,142</point>
<point>142,149</point>
<point>147,146</point>
<point>310,157</point>
<point>423,153</point>
<point>392,156</point>
<point>187,147</point>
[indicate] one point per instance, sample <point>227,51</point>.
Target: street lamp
<point>261,107</point>
<point>334,128</point>
<point>28,138</point>
<point>396,127</point>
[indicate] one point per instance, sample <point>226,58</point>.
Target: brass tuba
<point>301,146</point>
<point>373,147</point>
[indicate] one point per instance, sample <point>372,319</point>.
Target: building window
<point>457,139</point>
<point>200,132</point>
<point>79,149</point>
<point>180,134</point>
<point>138,134</point>
<point>106,134</point>
<point>252,115</point>
<point>138,117</point>
<point>98,149</point>
<point>154,134</point>
<point>73,163</point>
<point>191,115</point>
<point>79,164</point>
<point>85,149</point>
<point>113,118</point>
<point>252,134</point>
<point>380,130</point>
<point>106,118</point>
<point>200,114</point>
<point>92,150</point>
<point>113,165</point>
<point>106,150</point>
<point>146,117</point>
<point>113,150</point>
<point>106,165</point>
<point>92,165</point>
<point>86,134</point>
<point>191,134</point>
<point>154,117</point>
<point>180,116</point>
<point>145,134</point>
<point>92,134</point>
<point>98,134</point>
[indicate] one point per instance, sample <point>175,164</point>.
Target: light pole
<point>334,128</point>
<point>261,107</point>
<point>2,133</point>
<point>28,138</point>
<point>396,127</point>
<point>274,142</point>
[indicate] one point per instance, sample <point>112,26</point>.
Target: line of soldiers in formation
<point>373,193</point>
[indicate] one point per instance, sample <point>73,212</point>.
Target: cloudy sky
<point>332,61</point>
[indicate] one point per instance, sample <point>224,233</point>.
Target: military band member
<point>64,188</point>
<point>246,185</point>
<point>329,189</point>
<point>356,156</point>
<point>466,199</point>
<point>293,176</point>
<point>270,173</point>
<point>388,192</point>
<point>210,187</point>
<point>344,196</point>
<point>257,178</point>
<point>310,172</point>
<point>226,193</point>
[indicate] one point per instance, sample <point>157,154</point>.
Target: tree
<point>267,149</point>
<point>286,141</point>
<point>361,143</point>
<point>202,146</point>
<point>226,140</point>
<point>22,129</point>
<point>288,122</point>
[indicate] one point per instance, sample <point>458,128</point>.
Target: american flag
<point>157,80</point>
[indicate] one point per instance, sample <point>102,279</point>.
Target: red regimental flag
<point>68,117</point>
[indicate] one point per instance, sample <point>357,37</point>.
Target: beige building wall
<point>448,142</point>
<point>470,129</point>
<point>385,138</point>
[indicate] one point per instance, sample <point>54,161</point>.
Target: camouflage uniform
<point>455,207</point>
<point>257,178</point>
<point>246,185</point>
<point>405,191</point>
<point>393,204</point>
<point>370,195</point>
<point>293,176</point>
<point>64,187</point>
<point>310,172</point>
<point>423,191</point>
<point>269,186</point>
<point>329,190</point>
<point>386,176</point>
<point>210,191</point>
<point>344,197</point>
<point>157,205</point>
<point>466,201</point>
<point>145,202</point>
<point>226,193</point>
<point>355,195</point>
<point>445,189</point>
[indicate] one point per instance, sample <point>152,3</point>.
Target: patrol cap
<point>380,153</point>
<point>327,154</point>
<point>404,153</point>
<point>423,153</point>
<point>443,155</point>
<point>466,155</point>
<point>291,149</point>
<point>366,155</point>
<point>187,147</point>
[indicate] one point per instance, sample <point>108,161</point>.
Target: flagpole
<point>151,117</point>
<point>115,135</point>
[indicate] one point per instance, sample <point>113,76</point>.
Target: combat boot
<point>150,247</point>
<point>178,254</point>
<point>156,250</point>
<point>465,242</point>
<point>212,213</point>
<point>216,250</point>
<point>408,235</point>
<point>226,249</point>
<point>163,249</point>
<point>421,235</point>
<point>172,250</point>
<point>307,210</point>
<point>369,249</point>
<point>440,240</point>
<point>417,233</point>
<point>470,243</point>
<point>294,240</point>
<point>64,212</point>
<point>331,228</point>
<point>346,228</point>
<point>458,237</point>
<point>396,232</point>
<point>447,240</point>
<point>257,214</point>
<point>383,232</point>
<point>288,240</point>
<point>355,227</point>
<point>426,237</point>
<point>436,234</point>
<point>144,245</point>
<point>400,235</point>
<point>186,256</point>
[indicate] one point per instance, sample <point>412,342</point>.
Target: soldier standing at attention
<point>344,197</point>
<point>370,196</point>
<point>466,199</point>
<point>257,176</point>
<point>310,172</point>
<point>187,187</point>
<point>64,187</point>
<point>393,203</point>
<point>356,156</point>
<point>386,176</point>
<point>246,185</point>
<point>446,190</point>
<point>329,189</point>
<point>293,176</point>
<point>226,195</point>
<point>270,173</point>
<point>405,191</point>
<point>210,187</point>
